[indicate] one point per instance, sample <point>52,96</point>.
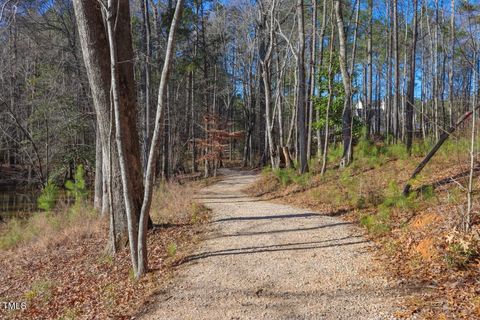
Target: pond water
<point>17,201</point>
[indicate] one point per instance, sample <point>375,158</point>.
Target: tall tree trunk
<point>302,139</point>
<point>265,61</point>
<point>329,103</point>
<point>320,61</point>
<point>452,53</point>
<point>117,14</point>
<point>396,82</point>
<point>192,123</point>
<point>313,61</point>
<point>347,109</point>
<point>153,155</point>
<point>410,99</point>
<point>98,198</point>
<point>94,43</point>
<point>145,75</point>
<point>369,105</point>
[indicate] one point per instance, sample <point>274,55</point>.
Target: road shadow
<point>299,246</point>
<point>281,216</point>
<point>257,233</point>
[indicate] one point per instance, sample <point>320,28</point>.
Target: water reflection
<point>15,200</point>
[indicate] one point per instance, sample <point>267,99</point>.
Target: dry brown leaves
<point>75,279</point>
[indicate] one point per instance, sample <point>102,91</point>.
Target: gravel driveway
<point>263,260</point>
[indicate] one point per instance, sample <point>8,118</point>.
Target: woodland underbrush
<point>56,262</point>
<point>423,237</point>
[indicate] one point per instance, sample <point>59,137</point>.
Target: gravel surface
<point>263,260</point>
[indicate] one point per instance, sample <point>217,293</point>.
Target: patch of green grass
<point>288,176</point>
<point>396,151</point>
<point>105,259</point>
<point>284,176</point>
<point>40,289</point>
<point>196,210</point>
<point>335,153</point>
<point>70,314</point>
<point>395,198</point>
<point>455,195</point>
<point>379,223</point>
<point>426,193</point>
<point>376,224</point>
<point>42,225</point>
<point>172,249</point>
<point>421,148</point>
<point>302,179</point>
<point>14,234</point>
<point>267,170</point>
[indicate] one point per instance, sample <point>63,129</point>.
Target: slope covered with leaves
<point>63,272</point>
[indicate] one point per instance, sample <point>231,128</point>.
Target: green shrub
<point>376,224</point>
<point>267,170</point>
<point>77,188</point>
<point>427,193</point>
<point>455,195</point>
<point>366,148</point>
<point>302,179</point>
<point>420,148</point>
<point>397,151</point>
<point>395,198</point>
<point>48,199</point>
<point>284,176</point>
<point>335,153</point>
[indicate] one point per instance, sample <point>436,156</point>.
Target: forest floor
<point>265,260</point>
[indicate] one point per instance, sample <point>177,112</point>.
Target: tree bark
<point>313,61</point>
<point>410,101</point>
<point>302,139</point>
<point>153,154</point>
<point>94,43</point>
<point>347,110</point>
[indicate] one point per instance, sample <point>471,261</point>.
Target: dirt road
<point>263,260</point>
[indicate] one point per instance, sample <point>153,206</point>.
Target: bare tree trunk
<point>302,139</point>
<point>396,82</point>
<point>410,99</point>
<point>452,52</point>
<point>313,61</point>
<point>320,52</point>
<point>153,155</point>
<point>468,215</point>
<point>192,128</point>
<point>94,43</point>
<point>369,104</point>
<point>265,61</point>
<point>329,103</point>
<point>98,198</point>
<point>114,16</point>
<point>347,110</point>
